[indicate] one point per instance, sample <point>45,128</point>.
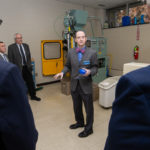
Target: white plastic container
<point>107,91</point>
<point>128,67</point>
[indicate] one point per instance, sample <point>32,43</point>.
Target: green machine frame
<point>76,20</point>
<point>99,44</point>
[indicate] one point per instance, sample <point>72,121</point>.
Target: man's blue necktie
<point>80,53</point>
<point>80,56</point>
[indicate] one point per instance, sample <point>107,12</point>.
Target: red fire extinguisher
<point>136,52</point>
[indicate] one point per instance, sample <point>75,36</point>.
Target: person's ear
<point>85,38</point>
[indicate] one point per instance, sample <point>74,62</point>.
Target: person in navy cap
<point>129,127</point>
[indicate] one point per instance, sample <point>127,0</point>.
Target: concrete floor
<point>53,115</point>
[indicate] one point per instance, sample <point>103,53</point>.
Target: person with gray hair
<point>19,54</point>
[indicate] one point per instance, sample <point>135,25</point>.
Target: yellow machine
<point>52,56</point>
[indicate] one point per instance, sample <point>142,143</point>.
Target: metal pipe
<point>92,28</point>
<point>72,42</point>
<point>68,41</point>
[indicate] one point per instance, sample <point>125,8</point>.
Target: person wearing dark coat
<point>19,54</point>
<point>17,128</point>
<point>129,127</point>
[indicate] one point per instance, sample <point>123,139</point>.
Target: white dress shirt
<point>23,52</point>
<point>4,57</point>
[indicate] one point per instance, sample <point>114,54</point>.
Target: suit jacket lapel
<point>18,53</point>
<point>17,50</point>
<point>1,58</point>
<point>7,57</point>
<point>75,56</point>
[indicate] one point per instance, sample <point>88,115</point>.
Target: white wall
<point>121,42</point>
<point>35,19</point>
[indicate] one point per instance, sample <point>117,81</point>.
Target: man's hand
<point>59,75</point>
<point>88,72</point>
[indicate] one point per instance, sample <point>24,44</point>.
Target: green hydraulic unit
<point>75,19</point>
<point>99,44</point>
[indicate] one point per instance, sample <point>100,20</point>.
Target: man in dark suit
<point>81,86</point>
<point>129,127</point>
<point>17,128</point>
<point>3,56</point>
<point>19,54</point>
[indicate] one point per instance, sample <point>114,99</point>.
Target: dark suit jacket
<point>129,127</point>
<point>17,128</point>
<point>89,61</point>
<point>1,58</point>
<point>15,57</point>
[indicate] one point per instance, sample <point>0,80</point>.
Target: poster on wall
<point>119,16</point>
<point>139,12</point>
<point>147,16</point>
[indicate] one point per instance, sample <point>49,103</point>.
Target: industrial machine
<point>99,44</point>
<point>53,51</point>
<point>76,20</point>
<point>73,21</point>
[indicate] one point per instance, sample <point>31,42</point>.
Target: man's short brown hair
<point>80,31</point>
